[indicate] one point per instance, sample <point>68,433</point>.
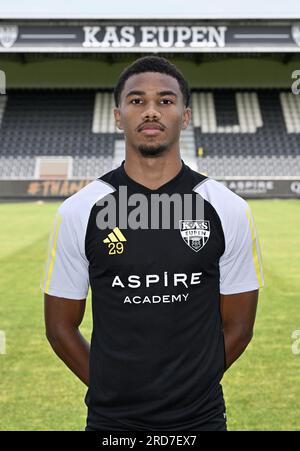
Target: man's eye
<point>135,101</point>
<point>167,101</point>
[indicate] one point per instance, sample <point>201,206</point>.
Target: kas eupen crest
<point>296,33</point>
<point>8,35</point>
<point>195,233</point>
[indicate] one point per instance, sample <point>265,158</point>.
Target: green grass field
<point>37,392</point>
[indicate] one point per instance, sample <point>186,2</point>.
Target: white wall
<point>135,9</point>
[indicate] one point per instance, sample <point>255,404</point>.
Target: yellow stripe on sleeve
<point>255,245</point>
<point>53,252</point>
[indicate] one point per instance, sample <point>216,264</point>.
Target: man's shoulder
<point>225,201</point>
<point>84,199</point>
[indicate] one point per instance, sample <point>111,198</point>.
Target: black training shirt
<point>157,349</point>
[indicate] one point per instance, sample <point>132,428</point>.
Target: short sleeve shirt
<point>156,272</point>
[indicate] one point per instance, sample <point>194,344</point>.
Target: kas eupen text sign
<point>192,37</point>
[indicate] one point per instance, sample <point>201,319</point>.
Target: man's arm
<point>62,320</point>
<point>238,315</point>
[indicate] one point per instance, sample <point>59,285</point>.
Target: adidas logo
<point>115,236</point>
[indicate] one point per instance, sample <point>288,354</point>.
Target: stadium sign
<point>295,187</point>
<point>264,188</point>
<point>247,188</point>
<point>160,36</point>
<point>152,37</point>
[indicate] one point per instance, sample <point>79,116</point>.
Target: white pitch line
<point>2,342</point>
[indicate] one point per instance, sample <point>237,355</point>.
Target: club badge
<point>8,35</point>
<point>195,233</point>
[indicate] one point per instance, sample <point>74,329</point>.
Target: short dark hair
<point>152,64</point>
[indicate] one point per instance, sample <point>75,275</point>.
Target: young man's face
<point>152,113</point>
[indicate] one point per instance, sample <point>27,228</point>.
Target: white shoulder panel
<point>240,264</point>
<point>66,272</point>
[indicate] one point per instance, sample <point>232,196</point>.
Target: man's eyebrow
<point>135,93</point>
<point>142,93</point>
<point>167,93</point>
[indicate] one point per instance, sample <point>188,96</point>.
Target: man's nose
<point>151,113</point>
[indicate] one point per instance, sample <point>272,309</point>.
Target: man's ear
<point>118,121</point>
<point>187,114</point>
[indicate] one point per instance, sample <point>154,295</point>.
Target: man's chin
<point>151,151</point>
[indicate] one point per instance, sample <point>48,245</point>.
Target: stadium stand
<point>233,132</point>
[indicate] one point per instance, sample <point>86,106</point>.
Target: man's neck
<point>152,172</point>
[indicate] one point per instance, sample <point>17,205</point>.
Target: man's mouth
<point>151,129</point>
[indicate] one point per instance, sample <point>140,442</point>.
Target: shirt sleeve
<point>66,273</point>
<point>241,264</point>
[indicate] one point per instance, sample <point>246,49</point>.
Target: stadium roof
<point>153,9</point>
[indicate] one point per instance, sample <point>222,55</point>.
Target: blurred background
<point>59,63</point>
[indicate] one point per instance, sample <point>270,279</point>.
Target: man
<point>173,305</point>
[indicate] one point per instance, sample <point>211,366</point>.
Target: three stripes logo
<point>115,240</point>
